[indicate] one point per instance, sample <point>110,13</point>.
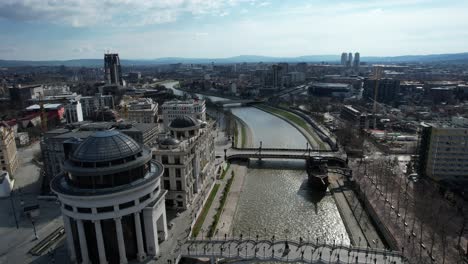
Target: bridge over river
<point>334,158</point>
<point>287,251</point>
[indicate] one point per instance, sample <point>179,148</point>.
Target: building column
<point>100,242</point>
<point>69,235</point>
<point>83,244</point>
<point>141,255</point>
<point>120,240</point>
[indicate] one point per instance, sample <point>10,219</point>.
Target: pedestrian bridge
<point>287,251</point>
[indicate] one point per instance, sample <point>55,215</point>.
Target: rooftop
<point>106,146</point>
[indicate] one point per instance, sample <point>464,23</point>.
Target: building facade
<point>8,153</point>
<point>174,109</point>
<point>73,111</point>
<point>55,143</point>
<point>387,90</point>
<point>443,153</point>
<point>91,104</point>
<point>111,199</point>
<point>187,154</point>
<point>113,71</point>
<point>143,110</point>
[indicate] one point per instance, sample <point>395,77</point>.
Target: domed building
<point>187,154</point>
<point>112,202</point>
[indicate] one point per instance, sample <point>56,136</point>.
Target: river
<point>276,199</point>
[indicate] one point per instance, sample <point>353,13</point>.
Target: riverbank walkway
<point>286,251</point>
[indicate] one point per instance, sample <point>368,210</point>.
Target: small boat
<point>318,174</point>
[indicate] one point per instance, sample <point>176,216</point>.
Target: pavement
<point>399,216</point>
<point>15,242</point>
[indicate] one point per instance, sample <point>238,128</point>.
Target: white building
<point>174,109</point>
<point>188,158</point>
<point>111,200</point>
<point>233,88</point>
<point>73,111</point>
<point>143,110</point>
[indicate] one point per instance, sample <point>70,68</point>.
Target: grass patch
<point>201,218</point>
<point>225,171</point>
<point>226,190</point>
<point>295,119</point>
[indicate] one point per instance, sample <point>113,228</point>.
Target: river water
<point>276,199</point>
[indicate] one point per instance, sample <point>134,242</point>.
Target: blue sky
<point>139,29</point>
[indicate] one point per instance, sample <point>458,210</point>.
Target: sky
<point>148,29</point>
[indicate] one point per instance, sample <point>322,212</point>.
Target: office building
<point>174,109</point>
<point>356,118</point>
<point>344,58</point>
<point>349,62</point>
<point>8,153</point>
<point>342,90</point>
<point>92,104</point>
<point>143,110</point>
<point>187,154</point>
<point>20,95</point>
<point>54,143</point>
<point>113,71</point>
<point>443,152</point>
<point>357,60</point>
<point>387,90</point>
<point>111,200</point>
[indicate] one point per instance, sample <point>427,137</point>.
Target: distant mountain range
<point>449,58</point>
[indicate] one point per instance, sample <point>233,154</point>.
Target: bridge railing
<point>222,248</point>
<point>284,149</point>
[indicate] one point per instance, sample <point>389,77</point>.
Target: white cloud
<point>80,13</point>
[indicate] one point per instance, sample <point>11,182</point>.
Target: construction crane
<point>377,74</point>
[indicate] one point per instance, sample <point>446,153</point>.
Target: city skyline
<point>41,30</point>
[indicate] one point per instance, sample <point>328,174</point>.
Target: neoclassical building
<point>187,153</point>
<point>112,202</point>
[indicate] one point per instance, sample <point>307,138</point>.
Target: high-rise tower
<point>350,60</point>
<point>113,72</point>
<point>357,58</point>
<point>344,58</point>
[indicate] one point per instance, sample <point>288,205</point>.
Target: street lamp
<point>36,237</point>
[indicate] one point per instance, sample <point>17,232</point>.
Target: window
<point>179,185</point>
<point>164,159</point>
<point>180,204</point>
<point>83,210</point>
<point>177,173</point>
<point>68,207</point>
<point>105,209</point>
<point>144,198</point>
<point>126,205</point>
<point>167,184</point>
